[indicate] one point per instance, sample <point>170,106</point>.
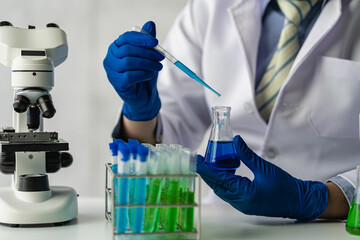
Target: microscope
<point>27,152</point>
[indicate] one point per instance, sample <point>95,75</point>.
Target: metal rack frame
<point>109,183</point>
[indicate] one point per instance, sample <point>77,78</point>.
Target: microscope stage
<point>61,145</point>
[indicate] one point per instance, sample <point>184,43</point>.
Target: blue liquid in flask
<point>221,155</point>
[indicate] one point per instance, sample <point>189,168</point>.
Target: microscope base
<point>61,207</point>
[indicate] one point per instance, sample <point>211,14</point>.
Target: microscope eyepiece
<point>46,106</point>
<point>21,103</point>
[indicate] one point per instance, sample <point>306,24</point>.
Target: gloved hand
<point>273,192</point>
<point>132,67</point>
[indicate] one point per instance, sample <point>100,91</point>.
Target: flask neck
<point>221,130</point>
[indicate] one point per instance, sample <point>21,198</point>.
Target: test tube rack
<point>161,233</point>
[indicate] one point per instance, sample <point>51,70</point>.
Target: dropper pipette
<point>176,62</point>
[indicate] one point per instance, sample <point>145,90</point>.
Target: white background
<point>85,101</point>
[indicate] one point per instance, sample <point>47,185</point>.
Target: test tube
<point>140,189</point>
<point>172,189</point>
<point>114,154</point>
<point>187,189</point>
<point>121,213</point>
<point>155,166</point>
<point>133,144</point>
<point>164,155</point>
<point>152,163</point>
<point>113,159</point>
<point>116,143</point>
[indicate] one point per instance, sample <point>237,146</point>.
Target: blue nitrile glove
<point>132,67</point>
<point>273,192</point>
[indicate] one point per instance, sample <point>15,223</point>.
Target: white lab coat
<point>313,132</point>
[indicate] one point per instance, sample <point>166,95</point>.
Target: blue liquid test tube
<point>122,213</point>
<point>114,154</point>
<point>133,145</point>
<point>115,144</point>
<point>140,189</point>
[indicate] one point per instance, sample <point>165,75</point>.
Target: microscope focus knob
<point>5,23</point>
<point>57,160</point>
<point>7,162</point>
<point>33,183</point>
<point>66,159</point>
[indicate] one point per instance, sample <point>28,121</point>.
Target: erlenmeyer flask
<point>353,220</point>
<point>220,152</point>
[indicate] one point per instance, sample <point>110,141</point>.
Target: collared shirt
<point>272,24</point>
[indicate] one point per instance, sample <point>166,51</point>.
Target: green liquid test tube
<point>172,198</point>
<point>188,165</point>
<point>163,198</point>
<point>170,193</point>
<point>187,213</point>
<point>152,215</point>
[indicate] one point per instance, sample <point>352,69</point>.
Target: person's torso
<point>315,120</point>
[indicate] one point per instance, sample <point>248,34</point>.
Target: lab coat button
<point>286,105</point>
<point>271,153</point>
<point>248,107</point>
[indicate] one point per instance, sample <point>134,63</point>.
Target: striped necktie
<point>288,47</point>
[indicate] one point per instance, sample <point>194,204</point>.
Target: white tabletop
<point>218,222</point>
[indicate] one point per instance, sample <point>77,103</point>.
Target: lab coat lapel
<point>325,22</point>
<point>246,17</point>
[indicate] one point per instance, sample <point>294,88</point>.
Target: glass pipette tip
<point>177,63</point>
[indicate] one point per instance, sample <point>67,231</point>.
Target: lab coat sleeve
<point>347,183</point>
<point>185,115</point>
<point>117,134</point>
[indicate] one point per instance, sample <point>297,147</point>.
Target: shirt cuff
<point>116,133</point>
<point>159,130</point>
<point>346,187</point>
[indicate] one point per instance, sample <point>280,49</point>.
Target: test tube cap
<point>133,141</point>
<point>113,148</point>
<point>115,140</point>
<point>125,151</point>
<point>133,149</point>
<point>175,146</point>
<point>133,144</point>
<point>161,145</point>
<point>148,145</point>
<point>143,153</point>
